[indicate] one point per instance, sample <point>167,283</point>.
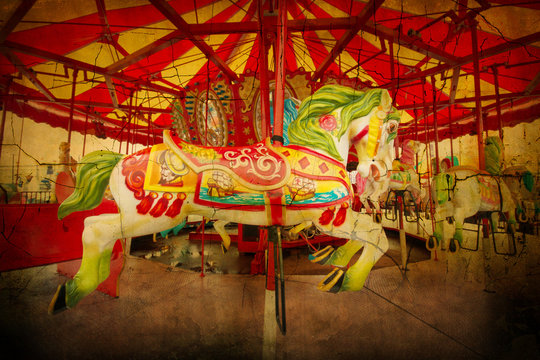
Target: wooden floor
<point>168,312</point>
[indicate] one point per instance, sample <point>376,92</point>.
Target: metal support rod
<point>416,138</point>
<point>129,123</point>
<point>392,70</point>
<point>148,130</point>
<point>280,71</point>
<point>477,93</point>
<point>498,102</point>
<point>202,246</point>
<point>84,136</point>
<point>20,150</point>
<point>437,169</point>
<point>402,236</point>
<point>3,124</point>
<point>263,74</point>
<point>428,165</point>
<point>451,138</point>
<point>75,71</point>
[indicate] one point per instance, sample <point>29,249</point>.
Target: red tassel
<point>341,215</point>
<point>161,205</point>
<point>327,216</point>
<point>146,203</point>
<point>176,205</point>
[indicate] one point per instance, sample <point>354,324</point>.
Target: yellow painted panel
<point>303,56</point>
<point>133,40</point>
<point>333,11</point>
<point>98,54</point>
<point>182,70</point>
<point>240,55</point>
<point>55,11</point>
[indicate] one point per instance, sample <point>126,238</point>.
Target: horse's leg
<point>303,225</point>
<point>363,232</point>
<point>459,217</point>
<point>99,236</point>
<point>219,225</point>
<point>356,275</point>
<point>337,257</point>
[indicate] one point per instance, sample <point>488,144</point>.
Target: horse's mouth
<point>374,172</point>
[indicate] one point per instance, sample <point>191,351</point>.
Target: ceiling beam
<point>43,54</point>
<point>492,51</point>
<point>28,73</point>
<point>454,84</point>
<point>516,95</point>
<point>87,103</point>
<point>533,84</point>
<point>112,91</point>
<point>15,18</point>
<point>183,26</point>
<point>145,51</point>
<point>368,11</point>
<point>409,42</point>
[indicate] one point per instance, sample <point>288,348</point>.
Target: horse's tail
<point>93,175</point>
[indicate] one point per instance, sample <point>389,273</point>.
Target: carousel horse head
<point>336,117</point>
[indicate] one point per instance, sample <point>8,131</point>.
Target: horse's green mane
<point>305,130</point>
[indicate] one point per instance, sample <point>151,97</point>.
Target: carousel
<point>270,178</point>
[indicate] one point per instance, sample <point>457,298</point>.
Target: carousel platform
<point>169,311</point>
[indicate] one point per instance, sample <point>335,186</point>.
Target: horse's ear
<point>386,100</point>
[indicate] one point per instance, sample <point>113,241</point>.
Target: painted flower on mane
<point>327,122</point>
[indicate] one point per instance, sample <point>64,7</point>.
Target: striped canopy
<point>128,61</point>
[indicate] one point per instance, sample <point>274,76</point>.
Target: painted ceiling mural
<point>142,66</point>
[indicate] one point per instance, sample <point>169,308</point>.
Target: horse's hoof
<point>223,249</point>
<point>322,256</point>
<point>58,302</point>
<point>431,243</point>
<point>453,246</point>
<point>333,281</point>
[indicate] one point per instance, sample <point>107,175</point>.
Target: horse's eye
<point>392,126</point>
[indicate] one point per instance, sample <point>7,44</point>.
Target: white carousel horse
<point>525,192</point>
<point>403,175</point>
<point>303,184</point>
<point>372,189</point>
<point>462,192</point>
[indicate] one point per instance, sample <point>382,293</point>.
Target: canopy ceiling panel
<point>129,61</point>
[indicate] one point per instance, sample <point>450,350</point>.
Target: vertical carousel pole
<point>435,127</point>
<point>451,134</point>
<point>203,224</point>
<point>417,168</point>
<point>274,248</point>
<point>3,124</point>
<point>280,72</point>
<point>129,123</point>
<point>498,105</point>
<point>402,235</point>
<point>85,130</point>
<point>428,163</point>
<point>70,123</point>
<point>477,94</point>
<point>263,74</point>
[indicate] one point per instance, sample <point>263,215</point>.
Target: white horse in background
<point>462,192</point>
<point>525,191</point>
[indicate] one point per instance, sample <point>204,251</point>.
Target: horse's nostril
<point>374,171</point>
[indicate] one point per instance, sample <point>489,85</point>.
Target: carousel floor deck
<point>168,312</point>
